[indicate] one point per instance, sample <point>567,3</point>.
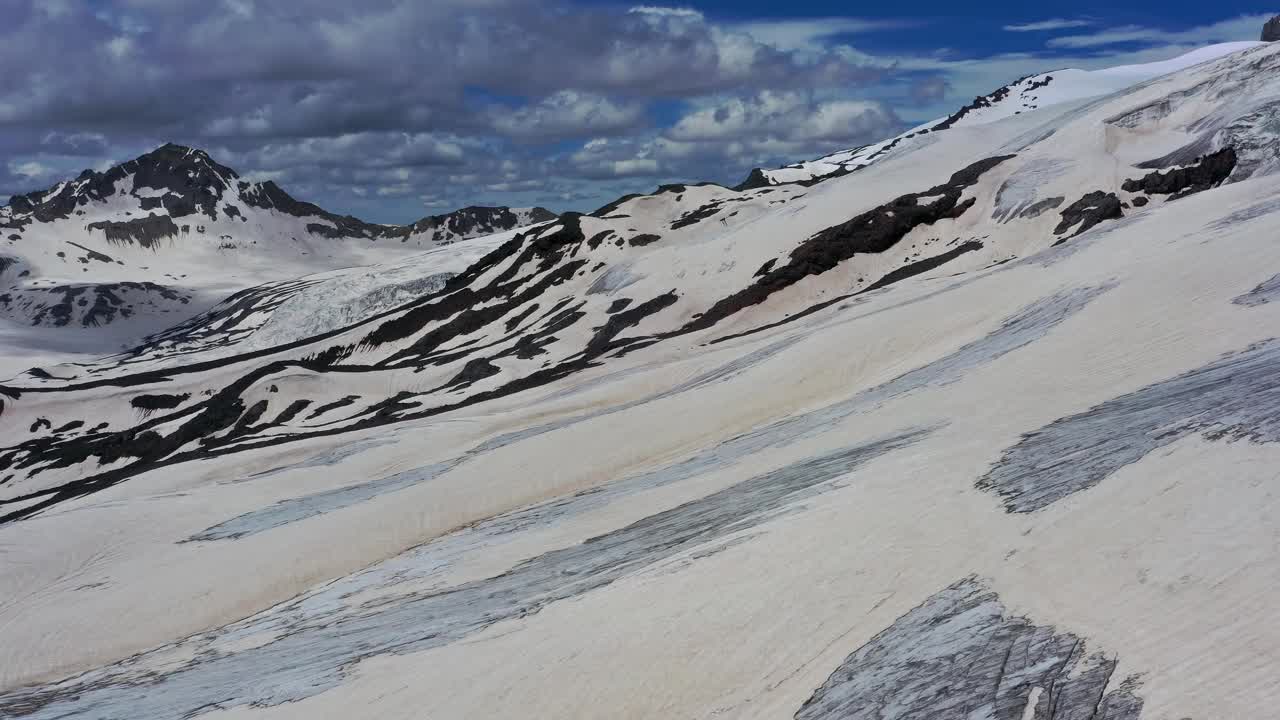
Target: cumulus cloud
<point>325,95</point>
<point>788,116</point>
<point>723,139</point>
<point>568,113</point>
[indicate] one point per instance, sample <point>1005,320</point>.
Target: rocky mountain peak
<point>182,180</point>
<point>1271,31</point>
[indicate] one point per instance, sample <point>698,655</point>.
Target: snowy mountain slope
<point>160,238</point>
<point>987,428</point>
<point>1021,96</point>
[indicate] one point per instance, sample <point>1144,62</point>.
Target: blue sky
<point>391,109</point>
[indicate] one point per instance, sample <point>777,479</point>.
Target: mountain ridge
<point>192,182</point>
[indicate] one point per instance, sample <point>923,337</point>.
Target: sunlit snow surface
<point>987,466</point>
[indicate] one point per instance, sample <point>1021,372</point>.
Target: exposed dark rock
<point>609,209</point>
<point>986,101</point>
<point>474,371</point>
<point>618,305</point>
<point>1088,211</point>
<point>336,404</point>
<point>514,321</point>
<point>1271,31</point>
<point>147,232</point>
<point>152,403</point>
<point>41,423</point>
<point>1140,201</point>
<point>766,267</point>
<point>923,266</point>
<point>603,340</point>
<point>192,180</point>
<point>756,179</point>
<point>93,254</point>
<point>598,238</point>
<point>56,306</point>
<point>642,240</point>
<point>289,413</point>
<point>1207,172</point>
<point>694,217</point>
<point>873,231</point>
<point>462,310</point>
<point>474,221</point>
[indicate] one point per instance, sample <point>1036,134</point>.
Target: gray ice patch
<point>961,655</point>
<point>1236,397</point>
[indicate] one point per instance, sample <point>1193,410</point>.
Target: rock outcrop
<point>1271,31</point>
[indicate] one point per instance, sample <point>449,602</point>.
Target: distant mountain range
<point>164,235</point>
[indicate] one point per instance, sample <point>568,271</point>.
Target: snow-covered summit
<point>1020,96</point>
<point>152,241</point>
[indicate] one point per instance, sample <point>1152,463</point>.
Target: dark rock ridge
<point>475,221</point>
<point>192,183</point>
<point>1271,31</point>
<point>1206,172</point>
<point>151,403</point>
<point>986,101</point>
<point>874,231</point>
<point>923,266</point>
<point>97,305</point>
<point>677,188</point>
<point>1087,212</point>
<point>147,232</point>
<point>963,655</point>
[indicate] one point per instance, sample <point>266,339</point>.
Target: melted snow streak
<point>1236,397</point>
<point>1031,323</point>
<point>293,510</point>
<point>961,655</point>
<point>306,646</point>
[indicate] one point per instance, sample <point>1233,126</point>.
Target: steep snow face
<point>160,238</point>
<point>1003,404</point>
<point>1021,96</point>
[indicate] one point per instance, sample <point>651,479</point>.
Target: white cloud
<point>788,116</point>
<point>568,113</point>
<point>120,46</point>
<point>658,11</point>
<point>1051,24</point>
<point>30,169</point>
